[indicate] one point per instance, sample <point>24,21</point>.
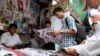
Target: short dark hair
<point>13,25</point>
<point>58,9</point>
<point>46,22</point>
<point>46,11</point>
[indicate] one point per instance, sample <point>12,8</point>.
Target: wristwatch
<point>62,31</point>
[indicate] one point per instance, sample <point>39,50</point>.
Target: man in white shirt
<point>10,38</point>
<point>91,47</point>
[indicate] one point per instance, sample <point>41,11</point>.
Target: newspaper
<point>39,52</point>
<point>44,34</point>
<point>28,52</point>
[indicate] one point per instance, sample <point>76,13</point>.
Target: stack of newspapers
<point>39,52</point>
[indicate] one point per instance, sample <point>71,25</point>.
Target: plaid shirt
<point>68,40</point>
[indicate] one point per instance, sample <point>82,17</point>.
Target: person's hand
<point>55,32</point>
<point>71,51</point>
<point>7,46</point>
<point>4,45</point>
<point>83,42</point>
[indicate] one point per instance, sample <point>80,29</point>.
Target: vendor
<point>10,39</point>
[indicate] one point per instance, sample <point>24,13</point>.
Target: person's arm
<point>68,31</point>
<point>71,51</point>
<point>64,31</point>
<point>68,51</point>
<point>91,47</point>
<point>4,44</point>
<point>18,46</point>
<point>3,40</point>
<point>55,32</point>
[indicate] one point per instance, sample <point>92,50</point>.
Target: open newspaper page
<point>44,34</point>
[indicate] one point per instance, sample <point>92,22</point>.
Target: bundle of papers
<point>34,52</point>
<point>38,52</point>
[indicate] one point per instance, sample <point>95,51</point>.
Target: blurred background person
<point>50,45</point>
<point>46,18</point>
